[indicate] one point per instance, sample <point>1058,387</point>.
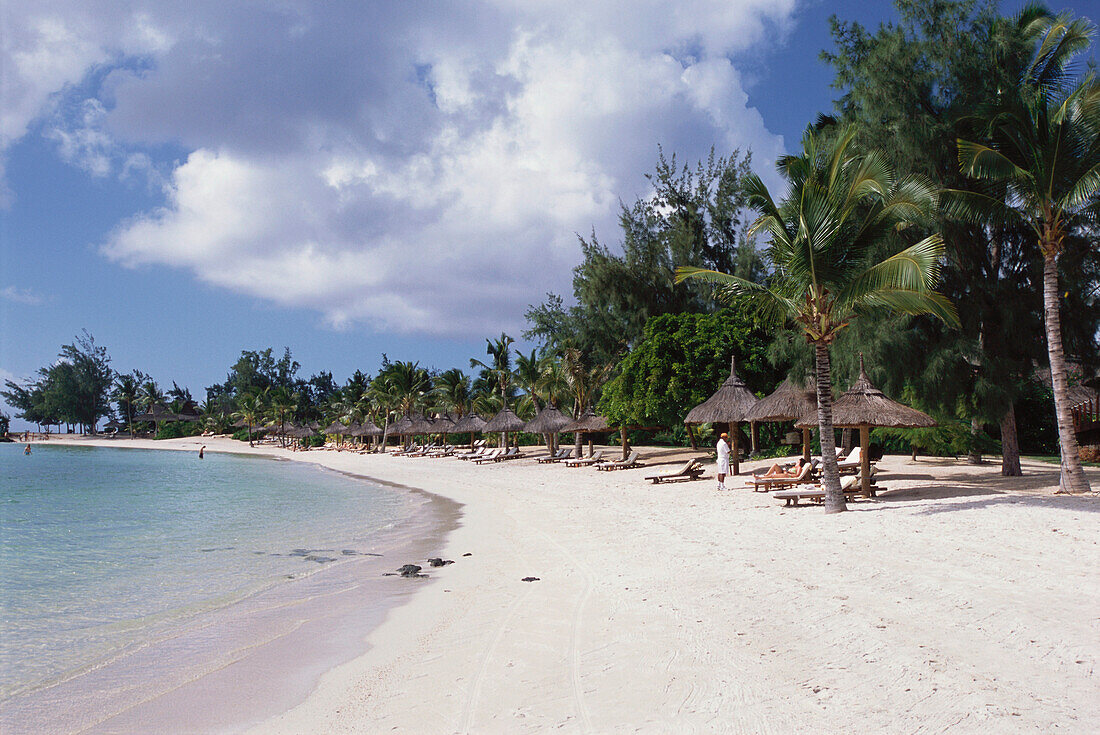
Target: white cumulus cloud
<point>412,167</point>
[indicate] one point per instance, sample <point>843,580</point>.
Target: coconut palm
<point>452,392</point>
<point>281,408</point>
<point>250,409</point>
<point>582,383</point>
<point>127,390</point>
<point>842,207</point>
<point>1041,146</point>
<point>500,367</point>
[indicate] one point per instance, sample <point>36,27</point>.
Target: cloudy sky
<point>187,180</point>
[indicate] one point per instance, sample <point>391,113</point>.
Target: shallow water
<point>104,550</point>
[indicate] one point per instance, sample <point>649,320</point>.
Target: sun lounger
<point>490,456</point>
<point>512,453</point>
<point>778,483</point>
<point>851,462</point>
<point>479,452</point>
<point>850,486</point>
<point>690,471</point>
<point>558,456</point>
<point>622,464</point>
<point>585,461</point>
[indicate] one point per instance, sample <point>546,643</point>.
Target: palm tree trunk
<point>1010,444</point>
<point>1073,476</point>
<point>830,473</point>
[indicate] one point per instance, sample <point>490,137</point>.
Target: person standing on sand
<point>723,460</point>
<point>200,450</point>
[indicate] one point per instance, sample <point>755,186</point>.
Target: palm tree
<point>250,409</point>
<point>150,396</point>
<point>582,383</point>
<point>452,392</point>
<point>500,367</point>
<point>842,207</point>
<point>282,406</point>
<point>1041,142</point>
<point>127,389</point>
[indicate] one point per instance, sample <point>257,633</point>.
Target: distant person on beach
<point>27,450</point>
<point>200,450</point>
<point>723,460</point>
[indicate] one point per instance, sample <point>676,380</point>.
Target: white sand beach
<point>956,601</point>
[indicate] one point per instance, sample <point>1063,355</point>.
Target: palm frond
<point>912,302</point>
<point>917,268</point>
<point>982,162</point>
<point>977,208</point>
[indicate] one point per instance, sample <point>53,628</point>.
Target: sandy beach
<point>956,601</point>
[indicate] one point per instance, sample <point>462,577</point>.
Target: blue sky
<point>189,180</point>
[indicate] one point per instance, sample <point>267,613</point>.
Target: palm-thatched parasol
<point>504,422</point>
<point>730,404</point>
<point>548,421</point>
<point>112,424</point>
<point>864,406</point>
<point>471,423</point>
<point>787,403</point>
<point>335,428</point>
<point>420,425</point>
<point>368,428</point>
<point>588,423</point>
<point>444,424</point>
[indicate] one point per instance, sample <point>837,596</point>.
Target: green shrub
<point>242,435</point>
<point>176,429</point>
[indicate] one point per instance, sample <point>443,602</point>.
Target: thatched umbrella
<point>335,428</point>
<point>421,425</point>
<point>470,424</point>
<point>730,404</point>
<point>548,421</point>
<point>588,423</point>
<point>864,406</point>
<point>787,403</point>
<point>112,424</point>
<point>444,425</point>
<point>505,421</point>
<point>158,414</point>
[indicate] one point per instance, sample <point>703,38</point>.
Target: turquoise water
<point>102,548</point>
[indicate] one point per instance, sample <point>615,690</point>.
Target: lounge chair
<point>851,462</point>
<point>585,461</point>
<point>512,453</point>
<point>691,470</point>
<point>622,464</point>
<point>490,456</point>
<point>850,486</point>
<point>561,454</point>
<point>479,452</point>
<point>778,483</point>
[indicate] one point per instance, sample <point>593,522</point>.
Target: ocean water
<point>106,550</point>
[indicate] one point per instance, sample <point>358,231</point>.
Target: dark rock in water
<point>467,554</point>
<point>368,553</point>
<point>437,562</point>
<point>318,559</point>
<point>409,570</point>
<point>220,548</point>
<point>530,579</point>
<point>349,552</point>
<point>298,552</point>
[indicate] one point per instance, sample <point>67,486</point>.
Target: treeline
<point>965,130</point>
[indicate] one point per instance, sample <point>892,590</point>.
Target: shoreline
<point>958,600</point>
<point>236,665</point>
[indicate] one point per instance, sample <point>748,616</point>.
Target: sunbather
<point>778,471</point>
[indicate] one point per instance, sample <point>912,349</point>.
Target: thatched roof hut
<point>505,420</point>
<point>401,426</point>
<point>588,423</point>
<point>368,428</point>
<point>863,406</point>
<point>420,425</point>
<point>444,425</point>
<point>789,402</point>
<point>335,428</point>
<point>471,423</point>
<point>729,404</point>
<point>548,421</point>
<point>159,412</point>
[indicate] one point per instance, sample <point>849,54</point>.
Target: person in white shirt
<point>723,460</point>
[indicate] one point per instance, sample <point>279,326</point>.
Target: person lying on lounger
<point>777,471</point>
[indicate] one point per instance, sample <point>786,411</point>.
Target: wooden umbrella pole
<point>864,458</point>
<point>806,445</point>
<point>735,430</point>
